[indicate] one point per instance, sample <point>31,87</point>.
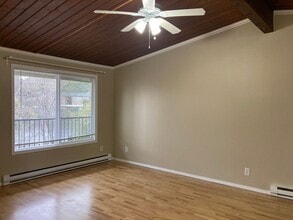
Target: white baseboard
<point>236,185</point>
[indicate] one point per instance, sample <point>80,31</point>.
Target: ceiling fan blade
<point>116,12</point>
<point>131,25</point>
<point>149,4</point>
<point>183,12</point>
<point>168,26</point>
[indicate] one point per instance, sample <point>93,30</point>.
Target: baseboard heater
<point>19,177</point>
<point>283,192</point>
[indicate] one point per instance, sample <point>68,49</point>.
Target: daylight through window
<point>52,109</point>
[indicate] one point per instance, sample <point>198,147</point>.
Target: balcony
<point>33,134</point>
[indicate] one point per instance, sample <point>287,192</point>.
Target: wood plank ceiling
<point>70,29</point>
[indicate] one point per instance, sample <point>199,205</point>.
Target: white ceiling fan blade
<point>183,12</point>
<point>116,12</point>
<point>132,25</point>
<point>168,26</point>
<point>149,4</point>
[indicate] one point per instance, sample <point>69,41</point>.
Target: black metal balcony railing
<point>38,133</point>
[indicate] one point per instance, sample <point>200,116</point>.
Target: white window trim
<point>59,72</point>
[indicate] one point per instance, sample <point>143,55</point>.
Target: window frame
<point>59,74</point>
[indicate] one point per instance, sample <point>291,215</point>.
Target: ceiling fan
<point>154,17</point>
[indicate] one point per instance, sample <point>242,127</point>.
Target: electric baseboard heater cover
<point>19,177</point>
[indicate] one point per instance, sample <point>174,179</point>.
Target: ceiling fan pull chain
<point>149,47</point>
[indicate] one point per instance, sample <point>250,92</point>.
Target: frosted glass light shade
<point>140,27</point>
<point>155,26</point>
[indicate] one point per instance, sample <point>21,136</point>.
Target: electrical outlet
<point>101,148</point>
<point>246,171</point>
<point>125,149</point>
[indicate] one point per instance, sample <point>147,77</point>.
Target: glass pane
<point>34,109</point>
<point>76,109</point>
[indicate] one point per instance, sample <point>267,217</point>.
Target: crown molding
<point>283,12</point>
<point>192,40</point>
<point>53,58</point>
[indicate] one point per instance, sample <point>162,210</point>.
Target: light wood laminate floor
<point>116,190</point>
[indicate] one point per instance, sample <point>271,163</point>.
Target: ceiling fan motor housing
<point>149,13</point>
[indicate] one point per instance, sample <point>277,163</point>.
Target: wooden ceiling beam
<point>259,12</point>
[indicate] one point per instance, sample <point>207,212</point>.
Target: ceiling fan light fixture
<point>154,18</point>
<point>140,27</point>
<point>155,26</point>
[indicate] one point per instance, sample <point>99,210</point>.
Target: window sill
<point>54,147</point>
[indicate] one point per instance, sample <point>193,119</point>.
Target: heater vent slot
<point>281,191</point>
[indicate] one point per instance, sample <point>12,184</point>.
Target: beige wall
<point>213,107</point>
<point>210,108</point>
<point>18,163</point>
